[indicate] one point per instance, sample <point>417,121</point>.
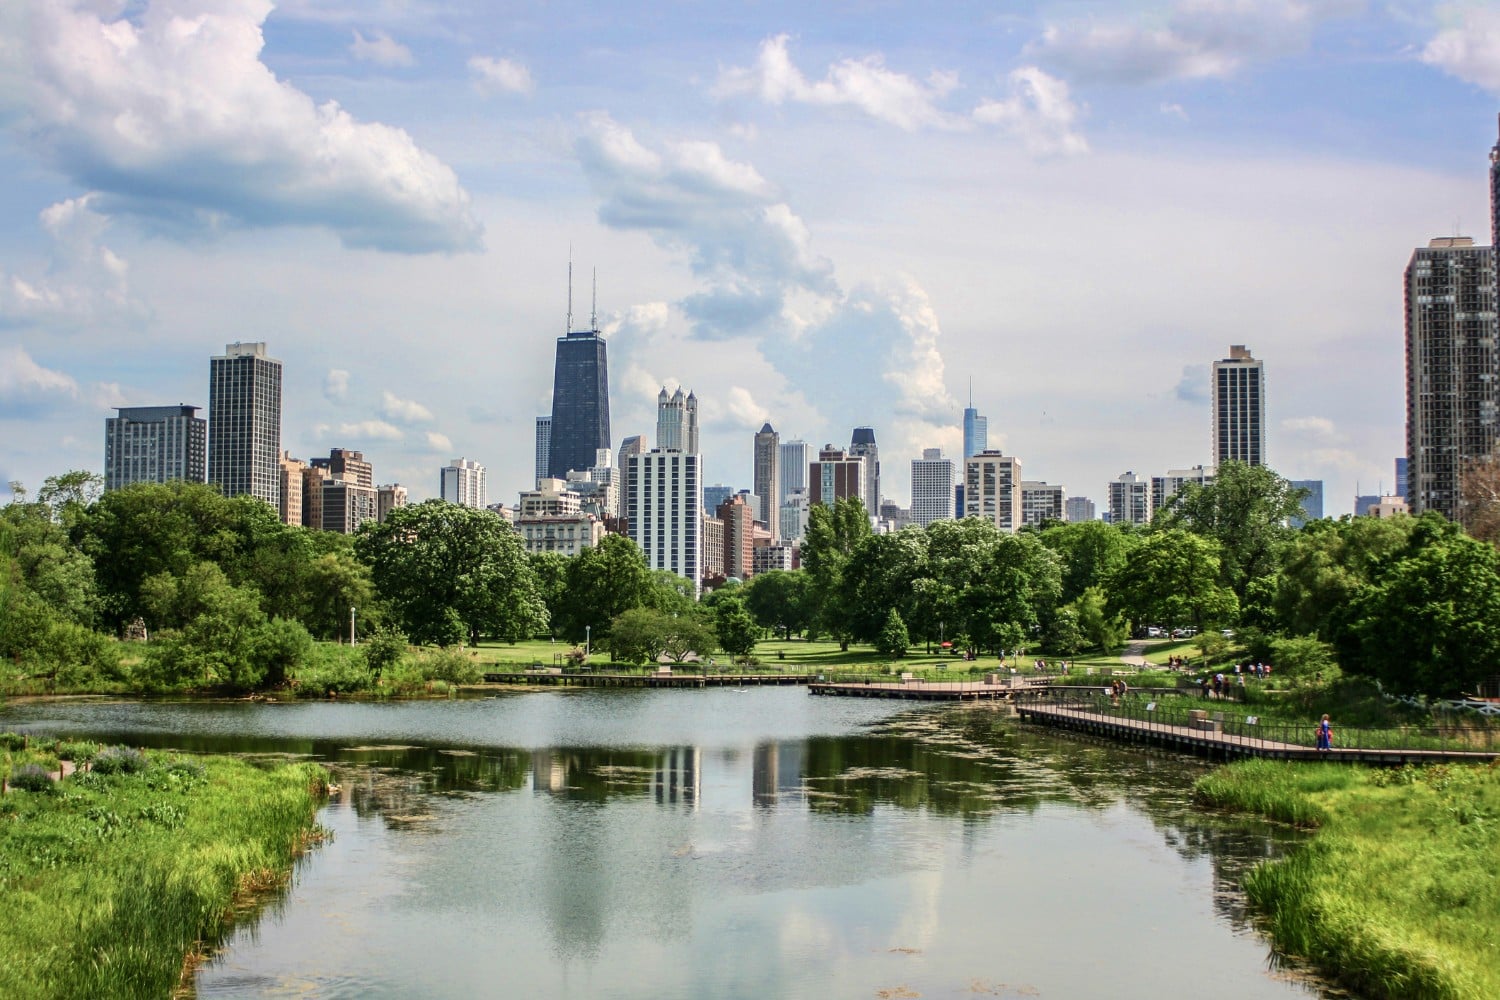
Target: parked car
<point>1155,632</point>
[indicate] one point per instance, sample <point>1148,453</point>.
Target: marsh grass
<point>1396,895</point>
<point>108,884</point>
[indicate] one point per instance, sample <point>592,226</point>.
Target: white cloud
<point>743,408</point>
<point>439,442</point>
<point>27,388</point>
<point>1470,49</point>
<point>1174,110</point>
<point>375,430</point>
<point>381,49</point>
<point>405,411</point>
<point>1198,39</point>
<point>864,84</point>
<point>1318,429</point>
<point>1039,112</point>
<point>170,114</point>
<point>502,76</point>
<point>336,385</point>
<point>85,282</point>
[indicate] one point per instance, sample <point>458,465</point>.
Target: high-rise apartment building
<point>795,456</point>
<point>767,482</point>
<point>1078,509</point>
<point>794,514</point>
<point>716,494</point>
<point>347,504</point>
<point>1401,465</point>
<point>931,487</point>
<point>1042,503</point>
<point>1164,488</point>
<point>862,445</point>
<point>835,476</point>
<point>663,498</point>
<point>244,422</point>
<point>1239,408</point>
<point>1452,368</point>
<point>154,444</point>
<point>292,472</point>
<point>739,537</point>
<point>580,403</point>
<point>543,447</point>
<point>992,489</point>
<point>387,499</point>
<point>463,482</point>
<point>1312,502</point>
<point>1130,499</point>
<point>976,430</point>
<point>346,464</point>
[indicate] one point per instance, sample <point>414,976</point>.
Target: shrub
<point>31,778</point>
<point>80,751</point>
<point>333,670</point>
<point>12,741</point>
<point>452,665</point>
<point>384,649</point>
<point>120,760</point>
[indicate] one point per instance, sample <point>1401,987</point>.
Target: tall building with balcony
<point>1239,408</point>
<point>767,481</point>
<point>739,537</point>
<point>1452,368</point>
<point>1042,503</point>
<point>1164,488</point>
<point>931,487</point>
<point>835,476</point>
<point>387,499</point>
<point>663,498</point>
<point>1130,499</point>
<point>463,482</point>
<point>292,471</point>
<point>351,465</point>
<point>244,422</point>
<point>154,444</point>
<point>992,489</point>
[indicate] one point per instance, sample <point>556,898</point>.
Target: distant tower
<point>663,491</point>
<point>154,444</point>
<point>462,482</point>
<point>1452,368</point>
<point>992,489</point>
<point>931,487</point>
<point>862,444</point>
<point>794,458</point>
<point>580,398</point>
<point>244,423</point>
<point>543,446</point>
<point>1239,408</point>
<point>768,479</point>
<point>976,428</point>
<point>835,476</point>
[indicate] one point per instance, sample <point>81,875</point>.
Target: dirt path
<point>1134,655</point>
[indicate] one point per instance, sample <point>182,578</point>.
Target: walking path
<point>1135,655</point>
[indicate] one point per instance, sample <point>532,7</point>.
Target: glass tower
<point>244,423</point>
<point>580,404</point>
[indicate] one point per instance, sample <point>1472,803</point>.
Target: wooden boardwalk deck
<point>1225,746</point>
<point>545,678</point>
<point>919,690</point>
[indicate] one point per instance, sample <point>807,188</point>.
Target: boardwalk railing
<point>1239,721</point>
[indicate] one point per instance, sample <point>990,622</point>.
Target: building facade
<point>346,464</point>
<point>1312,503</point>
<point>795,457</point>
<point>1164,488</point>
<point>292,471</point>
<point>976,431</point>
<point>1042,503</point>
<point>992,489</point>
<point>1239,408</point>
<point>155,444</point>
<point>463,482</point>
<point>244,423</point>
<point>862,445</point>
<point>835,476</point>
<point>387,499</point>
<point>739,537</point>
<point>1077,509</point>
<point>580,403</point>
<point>1452,368</point>
<point>347,504</point>
<point>931,487</point>
<point>543,447</point>
<point>663,492</point>
<point>1130,499</point>
<point>767,483</point>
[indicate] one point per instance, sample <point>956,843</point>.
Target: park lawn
<point>1396,894</point>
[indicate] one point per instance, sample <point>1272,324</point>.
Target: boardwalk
<point>547,678</point>
<point>1226,746</point>
<point>916,690</point>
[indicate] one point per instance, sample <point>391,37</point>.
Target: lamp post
<point>588,636</point>
<point>351,624</point>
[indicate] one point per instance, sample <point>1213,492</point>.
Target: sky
<point>819,215</point>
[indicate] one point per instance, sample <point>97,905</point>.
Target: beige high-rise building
<point>992,489</point>
<point>292,470</point>
<point>768,478</point>
<point>1239,408</point>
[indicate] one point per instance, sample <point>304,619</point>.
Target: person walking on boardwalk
<point>1325,734</point>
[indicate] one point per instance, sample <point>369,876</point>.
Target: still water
<point>704,844</point>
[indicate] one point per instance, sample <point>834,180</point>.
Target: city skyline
<point>1061,183</point>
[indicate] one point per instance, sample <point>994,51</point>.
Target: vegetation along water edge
<point>118,877</point>
<point>1395,895</point>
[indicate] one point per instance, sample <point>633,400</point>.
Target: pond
<point>725,843</point>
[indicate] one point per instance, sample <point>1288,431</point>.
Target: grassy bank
<point>111,878</point>
<point>1396,895</point>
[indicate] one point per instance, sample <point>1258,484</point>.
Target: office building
<point>739,537</point>
<point>1042,503</point>
<point>794,514</point>
<point>312,496</point>
<point>1401,466</point>
<point>1312,503</point>
<point>154,444</point>
<point>244,423</point>
<point>1388,506</point>
<point>1452,368</point>
<point>1364,503</point>
<point>551,518</point>
<point>892,517</point>
<point>462,482</point>
<point>292,471</point>
<point>346,464</point>
<point>862,445</point>
<point>1130,499</point>
<point>777,555</point>
<point>580,402</point>
<point>931,487</point>
<point>712,542</point>
<point>1239,408</point>
<point>767,482</point>
<point>715,495</point>
<point>1077,509</point>
<point>387,499</point>
<point>543,447</point>
<point>347,504</point>
<point>992,489</point>
<point>663,492</point>
<point>976,429</point>
<point>835,476</point>
<point>1164,488</point>
<point>795,457</point>
<point>677,421</point>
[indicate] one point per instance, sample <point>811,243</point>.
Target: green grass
<point>108,883</point>
<point>1396,895</point>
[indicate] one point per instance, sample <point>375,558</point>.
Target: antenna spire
<point>569,328</point>
<point>594,305</point>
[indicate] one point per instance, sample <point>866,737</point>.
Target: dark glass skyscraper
<point>580,403</point>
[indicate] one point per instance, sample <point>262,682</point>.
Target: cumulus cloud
<point>336,385</point>
<point>1197,39</point>
<point>27,389</point>
<point>85,280</point>
<point>744,410</point>
<point>746,244</point>
<point>1317,429</point>
<point>863,84</point>
<point>1193,386</point>
<point>373,430</point>
<point>1038,111</point>
<point>1470,48</point>
<point>439,442</point>
<point>380,49</point>
<point>500,76</point>
<point>404,411</point>
<point>170,114</point>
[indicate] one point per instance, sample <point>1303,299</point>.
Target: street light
<point>351,624</point>
<point>588,635</point>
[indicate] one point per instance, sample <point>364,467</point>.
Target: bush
<point>453,665</point>
<point>12,741</point>
<point>80,752</point>
<point>384,649</point>
<point>120,760</point>
<point>31,778</point>
<point>333,670</point>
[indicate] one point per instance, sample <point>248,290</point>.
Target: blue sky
<point>820,215</point>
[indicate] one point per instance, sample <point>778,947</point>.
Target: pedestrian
<point>1325,734</point>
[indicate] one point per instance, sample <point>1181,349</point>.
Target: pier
<point>660,679</point>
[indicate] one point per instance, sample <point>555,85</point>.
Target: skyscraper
<point>154,444</point>
<point>580,402</point>
<point>1452,368</point>
<point>663,497</point>
<point>1130,499</point>
<point>1042,502</point>
<point>976,428</point>
<point>795,456</point>
<point>244,422</point>
<point>931,487</point>
<point>1079,509</point>
<point>462,482</point>
<point>543,446</point>
<point>677,421</point>
<point>835,476</point>
<point>1239,408</point>
<point>1312,503</point>
<point>862,445</point>
<point>992,489</point>
<point>767,482</point>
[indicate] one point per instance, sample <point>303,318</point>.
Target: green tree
<point>1103,630</point>
<point>1330,564</point>
<point>451,572</point>
<point>1064,636</point>
<point>879,578</point>
<point>645,634</point>
<point>384,648</point>
<point>1089,552</point>
<point>601,584</point>
<point>832,535</point>
<point>892,640</point>
<point>780,600</point>
<point>735,627</point>
<point>551,572</point>
<point>1173,578</point>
